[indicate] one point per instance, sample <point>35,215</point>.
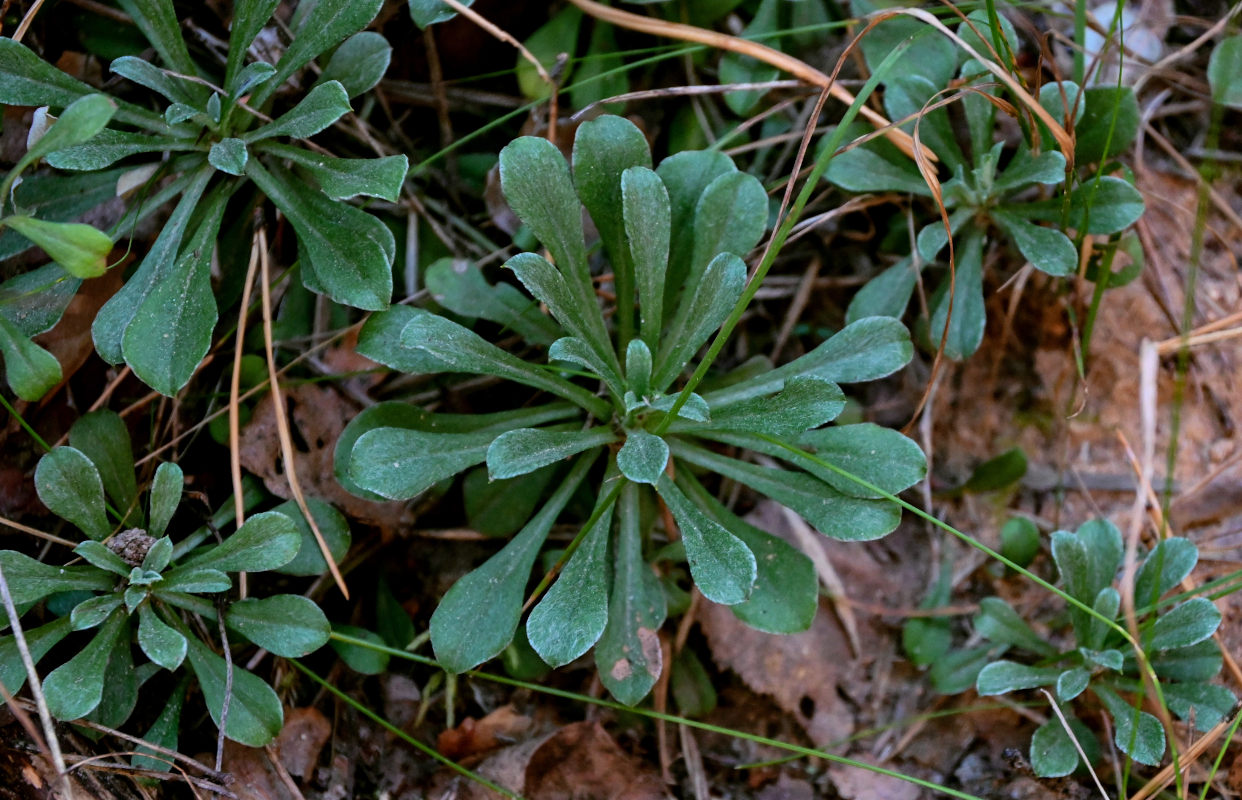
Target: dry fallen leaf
<point>317,415</point>
<point>582,760</point>
<point>303,736</point>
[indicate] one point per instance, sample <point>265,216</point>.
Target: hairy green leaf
<point>524,450</point>
<point>628,653</point>
<point>266,541</point>
<point>722,565</point>
<point>346,253</point>
<point>323,105</point>
<point>162,643</point>
<point>287,625</point>
<point>255,713</point>
<point>477,617</point>
<point>572,615</point>
<point>359,63</point>
<point>70,486</point>
<point>75,688</point>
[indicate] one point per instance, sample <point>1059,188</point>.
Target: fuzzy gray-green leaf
<point>804,403</point>
<point>1165,566</point>
<point>524,450</point>
<point>628,653</point>
<point>255,713</point>
<point>463,350</point>
<point>536,182</point>
<point>648,228</point>
<point>643,457</point>
<point>833,514</point>
<point>109,146</point>
<point>170,331</point>
<point>722,565</point>
<point>573,350</point>
<point>478,616</point>
<point>1048,249</point>
<point>881,456</point>
<point>70,486</point>
<point>103,437</point>
<point>249,17</point>
<point>80,122</point>
<point>165,497</point>
<point>577,314</point>
<point>38,642</point>
<point>1185,624</point>
<point>604,149</point>
<point>998,622</point>
<point>864,350</point>
<point>399,464</point>
<point>287,625</point>
<point>163,644</point>
<point>229,155</point>
<point>1001,677</point>
<point>572,615</point>
<point>786,592</point>
<point>359,62</point>
<point>332,526</point>
<point>1138,734</point>
<point>327,24</point>
<point>108,329</point>
<point>343,178</point>
<point>702,310</point>
<point>730,217</point>
<point>459,286</point>
<point>31,580</point>
<point>266,541</point>
<point>347,253</point>
<point>322,106</point>
<point>75,688</point>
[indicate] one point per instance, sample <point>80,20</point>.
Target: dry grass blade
<point>47,537</point>
<point>282,419</point>
<point>1191,756</point>
<point>782,61</point>
<point>239,505</point>
<point>508,38</point>
<point>1070,733</point>
<point>1065,140</point>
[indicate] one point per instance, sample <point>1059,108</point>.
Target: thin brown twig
<point>36,687</point>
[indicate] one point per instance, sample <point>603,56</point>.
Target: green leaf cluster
<point>1174,632</point>
<point>218,141</point>
<point>603,388</point>
<point>992,190</point>
<point>135,584</point>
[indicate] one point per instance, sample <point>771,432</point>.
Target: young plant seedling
<point>1174,632</point>
<point>212,139</point>
<point>137,584</point>
<point>674,239</point>
<point>994,188</point>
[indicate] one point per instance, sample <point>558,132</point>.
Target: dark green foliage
<point>224,143</point>
<point>138,586</point>
<point>674,237</point>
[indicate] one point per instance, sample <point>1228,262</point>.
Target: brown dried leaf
<point>471,737</point>
<point>317,415</point>
<point>254,775</point>
<point>582,760</point>
<point>302,738</point>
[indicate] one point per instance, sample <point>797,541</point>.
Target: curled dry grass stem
<point>782,61</point>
